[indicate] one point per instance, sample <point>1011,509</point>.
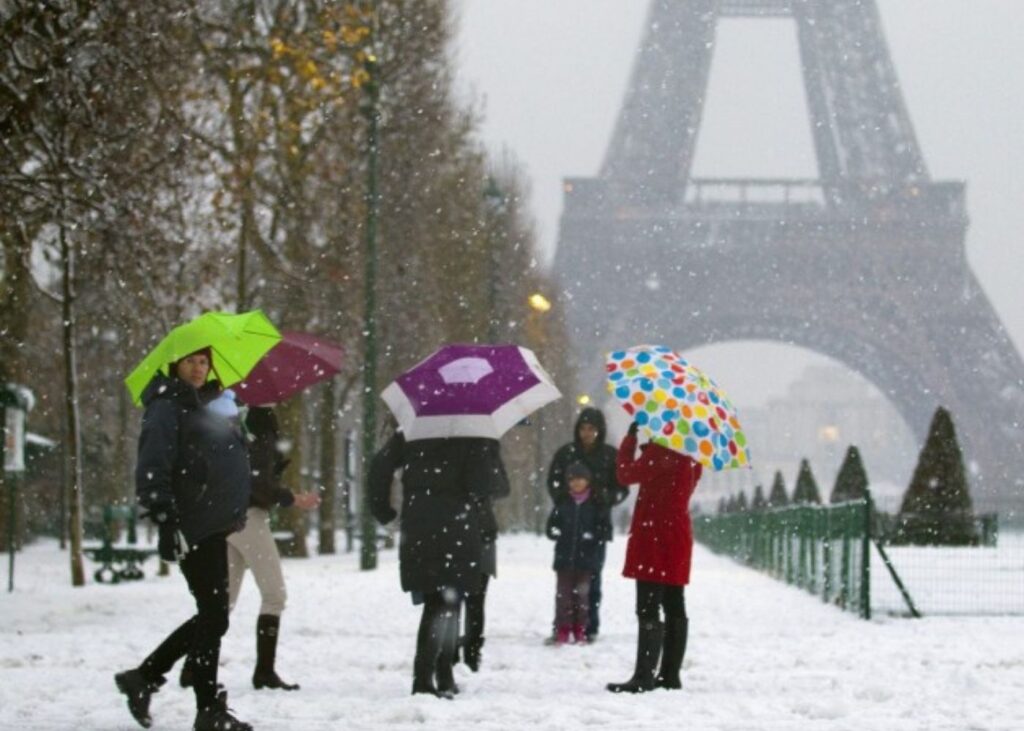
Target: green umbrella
<point>237,342</point>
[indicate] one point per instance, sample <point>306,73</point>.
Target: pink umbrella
<point>295,363</point>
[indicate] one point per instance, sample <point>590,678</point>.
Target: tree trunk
<point>14,312</point>
<point>243,171</point>
<point>73,450</point>
<point>293,519</point>
<point>328,470</point>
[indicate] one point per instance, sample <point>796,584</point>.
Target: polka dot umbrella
<point>677,405</point>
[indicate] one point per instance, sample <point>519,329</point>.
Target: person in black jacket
<point>588,447</point>
<point>193,477</point>
<point>575,526</point>
<point>445,483</point>
<point>253,548</point>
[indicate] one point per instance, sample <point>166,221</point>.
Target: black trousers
<point>594,623</point>
<point>206,570</point>
<point>653,598</point>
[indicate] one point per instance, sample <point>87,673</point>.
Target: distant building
<point>825,410</point>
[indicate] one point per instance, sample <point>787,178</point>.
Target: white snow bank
<point>761,656</point>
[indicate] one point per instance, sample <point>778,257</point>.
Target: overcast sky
<point>550,76</point>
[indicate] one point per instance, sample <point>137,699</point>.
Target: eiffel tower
<point>865,264</point>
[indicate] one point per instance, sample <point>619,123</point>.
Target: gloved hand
<point>171,543</point>
<point>633,428</point>
<point>162,513</point>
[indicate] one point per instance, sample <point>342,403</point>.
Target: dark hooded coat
<point>192,467</point>
<point>661,534</point>
<point>606,490</point>
<point>266,459</point>
<point>447,485</point>
<point>575,528</point>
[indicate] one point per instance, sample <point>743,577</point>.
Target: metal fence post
<point>815,526</point>
<point>844,566</point>
<point>826,558</point>
<point>865,561</point>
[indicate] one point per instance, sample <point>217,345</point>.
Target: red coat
<point>661,535</point>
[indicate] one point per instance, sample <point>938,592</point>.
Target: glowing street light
<point>539,302</point>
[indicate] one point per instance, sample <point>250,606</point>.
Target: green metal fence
<point>824,549</point>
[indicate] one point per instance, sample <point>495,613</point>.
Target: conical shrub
<point>778,498</point>
<point>806,491</point>
<point>758,503</point>
<point>852,480</point>
<point>936,508</point>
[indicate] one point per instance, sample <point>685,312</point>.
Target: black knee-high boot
<point>449,646</point>
<point>648,650</point>
<point>429,643</point>
<point>265,676</point>
<point>673,651</point>
<point>473,642</point>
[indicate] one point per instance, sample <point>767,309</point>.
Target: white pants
<point>254,548</point>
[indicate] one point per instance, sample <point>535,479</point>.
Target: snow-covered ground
<point>762,656</point>
<point>954,580</point>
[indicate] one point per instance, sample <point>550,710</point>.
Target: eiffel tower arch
<point>865,264</point>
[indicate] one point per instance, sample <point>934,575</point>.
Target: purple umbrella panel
<point>469,391</point>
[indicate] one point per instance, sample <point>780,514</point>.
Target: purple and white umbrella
<point>469,391</point>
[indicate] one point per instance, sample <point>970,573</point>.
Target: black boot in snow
<point>429,646</point>
<point>471,653</point>
<point>648,650</point>
<point>217,717</point>
<point>267,627</point>
<point>139,691</point>
<point>672,653</point>
<point>450,642</point>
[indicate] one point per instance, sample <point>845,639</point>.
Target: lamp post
<point>540,305</point>
<point>495,202</point>
<point>370,108</point>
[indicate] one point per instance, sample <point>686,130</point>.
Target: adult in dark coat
<point>192,475</point>
<point>658,557</point>
<point>588,447</point>
<point>445,483</point>
<point>253,548</point>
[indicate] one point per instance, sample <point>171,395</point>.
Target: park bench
<point>118,562</point>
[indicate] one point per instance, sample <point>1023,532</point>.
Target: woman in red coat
<point>658,557</point>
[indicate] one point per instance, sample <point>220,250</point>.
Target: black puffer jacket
<point>192,466</point>
<point>600,459</point>
<point>446,488</point>
<point>575,527</point>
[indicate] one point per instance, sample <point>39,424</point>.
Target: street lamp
<point>495,202</point>
<point>370,108</point>
<point>540,305</point>
<point>539,302</point>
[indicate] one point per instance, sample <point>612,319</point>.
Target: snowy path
<point>761,656</point>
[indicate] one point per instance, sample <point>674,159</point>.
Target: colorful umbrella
<point>298,361</point>
<point>677,405</point>
<point>236,342</point>
<point>469,391</point>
